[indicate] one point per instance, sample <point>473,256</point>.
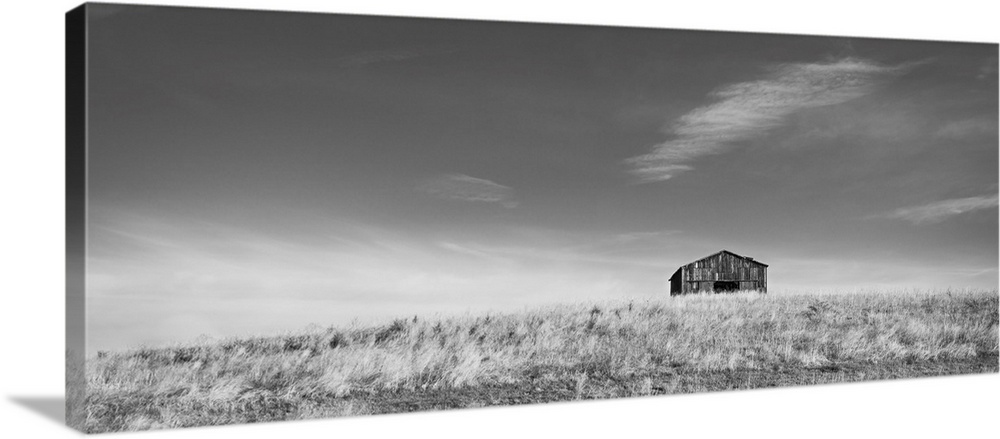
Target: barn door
<point>725,286</point>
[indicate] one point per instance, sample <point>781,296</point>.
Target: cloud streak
<point>978,128</point>
<point>461,187</point>
<point>391,55</point>
<point>746,110</point>
<point>941,210</point>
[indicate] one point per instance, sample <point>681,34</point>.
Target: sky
<point>254,172</point>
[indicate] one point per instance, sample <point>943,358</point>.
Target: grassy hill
<point>596,350</point>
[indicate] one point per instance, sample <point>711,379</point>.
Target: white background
<point>31,227</point>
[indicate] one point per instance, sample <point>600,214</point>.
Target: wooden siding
<point>701,275</point>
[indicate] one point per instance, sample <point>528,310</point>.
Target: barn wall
<point>727,267</point>
<point>699,276</point>
<point>686,278</point>
<point>677,282</point>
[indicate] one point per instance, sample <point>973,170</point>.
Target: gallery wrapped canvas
<point>279,215</point>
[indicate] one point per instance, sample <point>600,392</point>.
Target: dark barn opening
<point>722,272</point>
<point>725,286</point>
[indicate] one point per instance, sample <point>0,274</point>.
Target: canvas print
<point>279,215</point>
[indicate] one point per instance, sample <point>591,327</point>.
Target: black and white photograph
<point>279,215</point>
<point>294,215</point>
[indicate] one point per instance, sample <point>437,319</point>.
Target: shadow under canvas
<point>52,407</point>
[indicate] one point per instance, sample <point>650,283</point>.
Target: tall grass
<point>326,372</point>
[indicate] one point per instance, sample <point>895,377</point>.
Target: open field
<point>597,350</point>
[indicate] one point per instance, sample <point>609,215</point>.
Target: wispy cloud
<point>976,128</point>
<point>644,236</point>
<point>746,110</point>
<point>462,187</point>
<point>988,69</point>
<point>391,55</point>
<point>940,210</point>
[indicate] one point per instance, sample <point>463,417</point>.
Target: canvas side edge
<point>76,212</point>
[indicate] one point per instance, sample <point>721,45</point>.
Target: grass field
<point>598,350</point>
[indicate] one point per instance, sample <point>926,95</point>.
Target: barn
<point>721,272</point>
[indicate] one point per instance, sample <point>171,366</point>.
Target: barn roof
<point>731,253</point>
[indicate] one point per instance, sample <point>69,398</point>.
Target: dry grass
<point>671,345</point>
